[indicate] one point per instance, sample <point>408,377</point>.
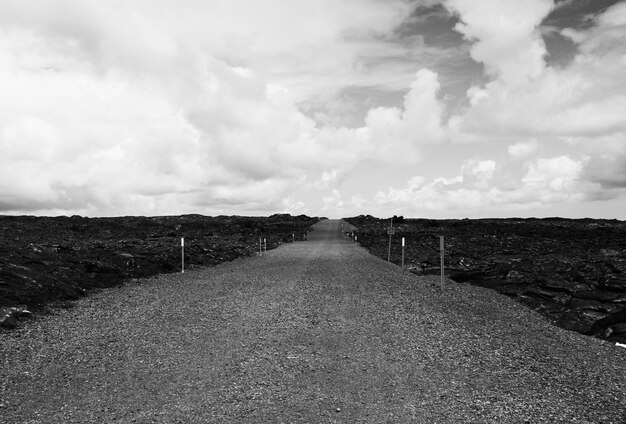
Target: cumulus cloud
<point>581,104</point>
<point>505,35</point>
<point>155,106</point>
<point>526,98</point>
<point>397,132</point>
<point>158,111</point>
<point>480,189</point>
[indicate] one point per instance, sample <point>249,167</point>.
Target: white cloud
<point>583,104</point>
<point>587,98</point>
<point>479,189</point>
<point>122,108</point>
<point>398,133</point>
<point>143,107</point>
<point>505,35</point>
<point>523,150</point>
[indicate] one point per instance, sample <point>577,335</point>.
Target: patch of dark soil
<point>572,271</point>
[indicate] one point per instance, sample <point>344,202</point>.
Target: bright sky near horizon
<point>421,108</point>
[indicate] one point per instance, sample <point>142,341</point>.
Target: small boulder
<point>8,321</point>
<point>9,316</point>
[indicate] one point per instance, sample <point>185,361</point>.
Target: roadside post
<point>260,247</point>
<point>390,232</point>
<point>355,238</point>
<point>265,245</point>
<point>182,248</point>
<point>293,238</point>
<point>442,261</point>
<point>403,252</point>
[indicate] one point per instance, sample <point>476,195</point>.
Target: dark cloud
<point>433,23</point>
<point>578,14</point>
<point>561,49</point>
<point>574,14</point>
<point>609,172</point>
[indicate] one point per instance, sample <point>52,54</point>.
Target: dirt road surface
<point>312,332</point>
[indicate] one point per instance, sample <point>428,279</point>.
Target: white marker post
<point>260,247</point>
<point>293,238</point>
<point>442,262</point>
<point>402,252</point>
<point>182,248</point>
<point>265,245</point>
<point>355,239</point>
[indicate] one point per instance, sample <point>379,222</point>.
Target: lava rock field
<point>571,271</point>
<point>50,260</point>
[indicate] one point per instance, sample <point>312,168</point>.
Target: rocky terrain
<point>50,260</point>
<point>572,271</point>
<point>316,332</point>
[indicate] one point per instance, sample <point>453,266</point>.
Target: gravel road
<point>312,332</point>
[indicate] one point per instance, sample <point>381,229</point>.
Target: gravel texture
<point>316,331</point>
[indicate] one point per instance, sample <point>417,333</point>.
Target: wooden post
<point>442,260</point>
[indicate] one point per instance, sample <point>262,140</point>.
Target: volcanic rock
<point>44,260</point>
<point>572,271</point>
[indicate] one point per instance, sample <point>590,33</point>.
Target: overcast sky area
<point>421,108</point>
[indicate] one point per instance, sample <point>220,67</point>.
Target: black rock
<point>49,259</point>
<point>572,271</point>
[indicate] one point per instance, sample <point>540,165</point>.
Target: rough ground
<point>317,331</point>
<point>50,260</point>
<point>572,271</point>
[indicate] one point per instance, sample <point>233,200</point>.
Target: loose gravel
<point>316,331</point>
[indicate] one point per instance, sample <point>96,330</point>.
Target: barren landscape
<point>48,261</point>
<point>315,331</point>
<point>572,271</point>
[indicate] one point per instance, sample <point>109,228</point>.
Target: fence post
<point>403,252</point>
<point>441,247</point>
<point>182,248</point>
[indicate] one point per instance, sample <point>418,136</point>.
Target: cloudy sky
<point>421,108</point>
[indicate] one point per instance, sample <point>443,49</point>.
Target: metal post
<point>402,252</point>
<point>182,248</point>
<point>442,262</point>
